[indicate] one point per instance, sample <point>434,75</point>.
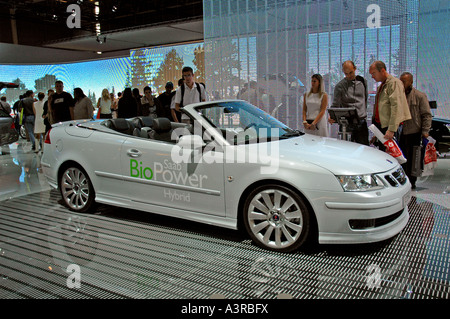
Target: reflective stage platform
<point>47,251</point>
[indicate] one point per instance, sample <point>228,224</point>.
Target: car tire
<point>276,218</point>
<point>22,132</point>
<point>76,189</point>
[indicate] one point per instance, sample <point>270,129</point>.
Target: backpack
<point>182,93</point>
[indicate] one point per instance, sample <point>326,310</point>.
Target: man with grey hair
<point>391,107</point>
<point>418,126</point>
<point>352,91</point>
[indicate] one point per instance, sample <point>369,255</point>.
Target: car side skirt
<point>167,211</point>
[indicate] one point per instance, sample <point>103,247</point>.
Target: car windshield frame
<point>241,122</point>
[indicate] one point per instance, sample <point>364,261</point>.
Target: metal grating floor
<point>129,254</point>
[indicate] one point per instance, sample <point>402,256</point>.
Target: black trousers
<point>360,133</point>
<point>406,144</point>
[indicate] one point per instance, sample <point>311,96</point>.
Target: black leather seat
<point>137,132</point>
<point>142,121</point>
<point>161,129</point>
<point>120,125</point>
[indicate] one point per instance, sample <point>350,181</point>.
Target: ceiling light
<point>98,29</point>
<point>97,8</point>
<point>114,8</point>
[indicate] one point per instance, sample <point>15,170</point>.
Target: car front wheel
<point>76,189</point>
<point>276,218</point>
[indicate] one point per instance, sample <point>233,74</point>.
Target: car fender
<point>306,176</point>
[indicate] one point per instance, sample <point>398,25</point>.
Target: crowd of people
<point>400,110</point>
<point>37,114</point>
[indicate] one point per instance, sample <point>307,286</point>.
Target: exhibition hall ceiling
<point>86,27</point>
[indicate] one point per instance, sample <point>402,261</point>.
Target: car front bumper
<point>361,217</point>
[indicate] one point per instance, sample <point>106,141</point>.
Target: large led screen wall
<point>149,66</point>
<point>275,46</point>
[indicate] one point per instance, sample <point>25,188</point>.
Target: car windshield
<point>241,122</point>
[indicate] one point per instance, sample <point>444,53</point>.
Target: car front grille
<point>395,178</point>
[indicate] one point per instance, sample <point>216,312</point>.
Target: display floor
<point>47,251</point>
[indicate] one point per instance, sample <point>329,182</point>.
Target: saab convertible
<point>233,166</point>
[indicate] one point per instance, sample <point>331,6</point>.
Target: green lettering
<point>151,173</point>
<point>134,168</point>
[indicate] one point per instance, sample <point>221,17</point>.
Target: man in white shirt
<point>189,93</point>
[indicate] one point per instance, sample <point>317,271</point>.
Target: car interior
<point>159,129</point>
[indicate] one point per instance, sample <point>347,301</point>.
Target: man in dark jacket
<point>166,100</point>
<point>352,91</point>
<point>127,106</point>
<point>417,127</point>
<point>151,106</point>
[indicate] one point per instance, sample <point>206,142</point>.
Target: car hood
<point>339,157</point>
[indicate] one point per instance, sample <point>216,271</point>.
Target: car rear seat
<point>145,132</point>
<point>140,123</point>
<point>161,130</point>
<point>120,125</point>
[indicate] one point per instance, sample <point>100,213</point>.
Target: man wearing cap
<point>166,99</point>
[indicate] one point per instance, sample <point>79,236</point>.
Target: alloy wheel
<point>276,218</point>
<point>76,189</point>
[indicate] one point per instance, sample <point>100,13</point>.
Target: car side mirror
<point>191,142</point>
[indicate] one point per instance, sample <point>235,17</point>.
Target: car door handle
<point>134,153</point>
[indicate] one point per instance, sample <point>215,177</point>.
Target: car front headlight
<point>359,183</point>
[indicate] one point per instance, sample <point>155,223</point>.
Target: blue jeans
<point>29,125</point>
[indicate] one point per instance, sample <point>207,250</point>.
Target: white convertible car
<point>233,166</point>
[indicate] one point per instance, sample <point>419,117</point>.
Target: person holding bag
<point>391,107</point>
<point>416,128</point>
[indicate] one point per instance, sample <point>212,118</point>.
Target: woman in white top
<point>39,126</point>
<point>315,104</point>
<point>104,105</point>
